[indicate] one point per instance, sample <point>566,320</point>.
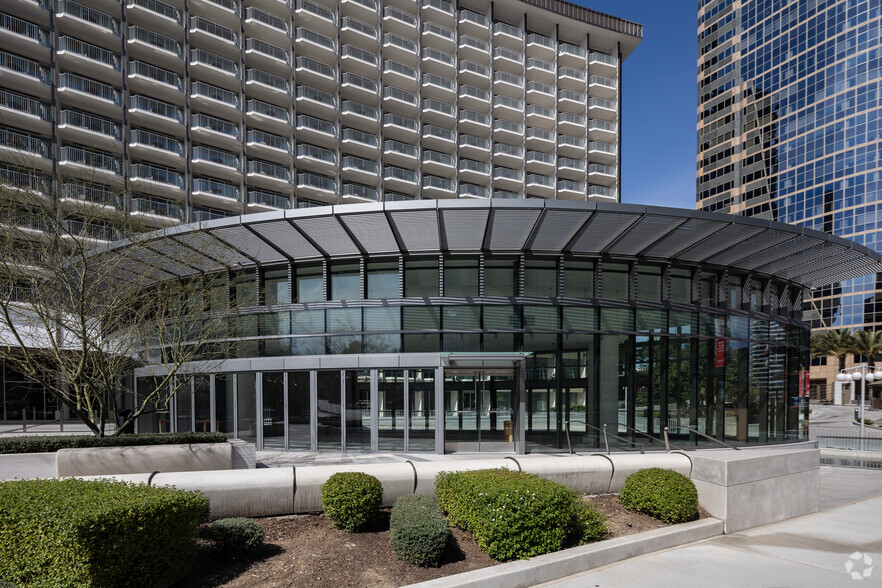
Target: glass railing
<point>570,186</point>
<point>542,134</point>
<point>25,104</point>
<point>317,9</point>
<point>505,194</point>
<point>268,139</point>
<point>97,231</point>
<point>507,29</point>
<point>315,66</point>
<point>254,106</point>
<point>603,191</point>
<point>601,125</point>
<point>506,102</point>
<point>24,66</point>
<point>156,107</point>
<point>316,96</point>
<point>160,8</point>
<point>391,172</point>
<point>602,81</point>
<point>158,207</point>
<point>272,199</point>
<point>508,126</point>
<point>570,49</point>
<point>216,156</point>
<point>399,94</point>
<point>317,153</point>
<point>537,39</point>
<point>94,193</point>
<point>602,147</point>
<point>359,109</point>
<point>569,72</point>
<point>212,60</point>
<point>90,122</point>
<point>507,173</point>
<point>430,181</point>
<point>203,214</point>
<point>539,180</point>
<point>474,166</point>
<point>472,190</point>
<point>540,87</point>
<point>506,53</point>
<point>359,191</point>
<point>437,106</point>
<point>266,18</point>
<point>24,141</point>
<point>435,29</point>
<point>267,79</point>
<point>369,4</point>
<point>436,80</point>
<point>437,132</point>
<point>90,51</point>
<point>475,117</point>
<point>601,103</point>
<point>473,17</point>
<point>477,93</point>
<point>430,53</point>
<point>571,95</point>
<point>598,168</point>
<point>157,74</point>
<point>304,121</point>
<point>360,54</point>
<point>468,66</point>
<point>320,182</point>
<point>24,29</point>
<point>230,5</point>
<point>507,78</point>
<point>351,79</point>
<point>353,162</point>
<point>399,68</point>
<point>430,156</point>
<point>158,141</point>
<point>442,5</point>
<point>400,42</point>
<point>361,137</point>
<point>540,64</point>
<point>508,150</point>
<point>539,157</point>
<point>535,109</point>
<point>358,26</point>
<point>399,15</point>
<point>155,173</point>
<point>307,203</point>
<point>313,37</point>
<point>218,125</point>
<point>214,93</point>
<point>467,41</point>
<point>216,188</point>
<point>91,158</point>
<point>268,49</point>
<point>266,168</point>
<point>391,118</point>
<point>392,146</point>
<point>476,142</point>
<point>197,23</point>
<point>155,39</point>
<point>570,118</point>
<point>570,163</point>
<point>597,56</point>
<point>84,13</point>
<point>570,141</point>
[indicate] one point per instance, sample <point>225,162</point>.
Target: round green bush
<point>418,533</point>
<point>589,523</point>
<point>664,494</point>
<point>235,535</point>
<point>351,500</point>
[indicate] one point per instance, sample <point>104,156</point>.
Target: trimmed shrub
<point>510,514</point>
<point>664,494</point>
<point>49,443</point>
<point>418,532</point>
<point>76,532</point>
<point>588,524</point>
<point>352,500</point>
<point>234,535</point>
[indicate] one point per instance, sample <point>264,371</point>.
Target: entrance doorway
<point>479,410</point>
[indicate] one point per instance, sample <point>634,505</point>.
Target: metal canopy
<point>810,258</point>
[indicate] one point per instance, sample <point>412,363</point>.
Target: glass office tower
<point>788,127</point>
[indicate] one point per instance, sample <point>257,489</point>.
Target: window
<point>421,278</point>
<point>579,279</point>
<point>275,287</point>
<point>709,284</point>
<point>649,283</point>
<point>382,279</point>
<point>461,277</point>
<point>540,278</point>
<point>681,285</point>
<point>614,281</point>
<point>245,288</point>
<point>345,282</point>
<point>734,291</point>
<point>499,277</point>
<point>309,284</point>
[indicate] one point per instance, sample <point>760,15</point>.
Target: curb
<point>554,566</point>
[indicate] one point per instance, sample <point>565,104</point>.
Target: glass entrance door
<point>479,410</point>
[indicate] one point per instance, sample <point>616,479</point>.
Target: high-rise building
<point>210,108</point>
<point>789,128</point>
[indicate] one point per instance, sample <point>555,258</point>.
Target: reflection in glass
<point>183,405</point>
<point>421,277</point>
<point>390,405</point>
<point>649,283</point>
<point>345,282</point>
<point>382,279</point>
<point>328,405</point>
<point>615,281</point>
<point>246,398</point>
<point>309,284</point>
<point>273,410</point>
<point>202,403</point>
<point>499,277</point>
<point>579,279</point>
<point>421,388</point>
<point>540,278</point>
<point>358,410</point>
<point>461,277</point>
<point>223,404</point>
<point>298,411</point>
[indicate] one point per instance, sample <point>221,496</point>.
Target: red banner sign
<point>720,357</point>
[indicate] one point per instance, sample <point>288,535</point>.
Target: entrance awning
<point>484,360</point>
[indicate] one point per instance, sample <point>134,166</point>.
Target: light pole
<point>864,378</point>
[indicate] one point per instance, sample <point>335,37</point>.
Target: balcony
<point>316,101</point>
<point>316,158</point>
<point>215,161</point>
<point>570,190</point>
<point>153,112</point>
<point>397,126</point>
<point>573,124</point>
<point>434,35</point>
<point>83,20</point>
<point>90,161</point>
<point>508,84</point>
<point>157,177</point>
<point>472,97</point>
<point>316,15</point>
<point>398,21</point>
<point>602,193</point>
<point>567,167</point>
<point>507,178</point>
<point>603,62</point>
<point>264,140</point>
<point>26,31</point>
<point>156,80</point>
<point>540,161</point>
<point>435,162</point>
<point>316,130</point>
<point>510,108</point>
<point>506,35</point>
<point>435,86</point>
<point>539,69</point>
<point>26,180</point>
<point>399,153</point>
<point>437,137</point>
<point>601,130</point>
<point>87,192</point>
<point>466,190</point>
<point>509,155</point>
<point>474,49</point>
<point>213,67</point>
<point>212,188</point>
<point>473,23</point>
<point>266,85</point>
<point>400,75</point>
<point>540,46</point>
<point>360,87</point>
<point>439,62</point>
<point>202,215</point>
<point>26,144</point>
<point>158,209</point>
<point>354,30</point>
<point>154,45</point>
<point>399,178</point>
<point>602,152</point>
<point>360,142</point>
<point>571,77</point>
<point>474,147</point>
<point>264,199</point>
<point>108,132</point>
<point>574,101</point>
<point>437,187</point>
<point>213,129</point>
<point>508,131</point>
<point>219,10</point>
<point>539,139</point>
<point>570,145</point>
<point>401,99</point>
<point>602,109</point>
<point>602,86</point>
<point>92,231</point>
<point>436,111</point>
<point>31,74</point>
<point>570,54</point>
<point>315,72</point>
<point>359,168</point>
<point>360,115</point>
<point>540,94</point>
<point>267,51</point>
<point>266,25</point>
<point>315,44</point>
<point>155,11</point>
<point>440,10</point>
<point>399,48</point>
<point>88,58</point>
<point>210,32</point>
<point>473,171</point>
<point>599,173</point>
<point>540,116</point>
<point>212,97</point>
<point>354,193</point>
<point>264,110</point>
<point>316,186</point>
<point>474,73</point>
<point>360,8</point>
<point>278,174</point>
<point>504,58</point>
<point>24,109</point>
<point>539,185</point>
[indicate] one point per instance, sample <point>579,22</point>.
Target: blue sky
<point>659,101</point>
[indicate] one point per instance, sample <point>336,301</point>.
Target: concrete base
<point>244,455</point>
<point>98,461</point>
<point>553,566</point>
<point>739,487</point>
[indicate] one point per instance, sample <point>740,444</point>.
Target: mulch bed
<point>305,550</point>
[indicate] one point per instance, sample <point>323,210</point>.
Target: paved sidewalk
<point>806,552</point>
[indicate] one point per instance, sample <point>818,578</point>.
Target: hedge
<point>76,532</point>
<point>663,494</point>
<point>238,534</point>
<point>510,514</point>
<point>352,500</point>
<point>50,444</point>
<point>418,532</point>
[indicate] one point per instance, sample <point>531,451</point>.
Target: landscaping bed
<point>306,550</point>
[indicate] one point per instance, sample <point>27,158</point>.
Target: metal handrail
<point>714,439</point>
<point>666,441</point>
<point>606,436</point>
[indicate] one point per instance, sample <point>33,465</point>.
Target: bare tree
<point>77,316</point>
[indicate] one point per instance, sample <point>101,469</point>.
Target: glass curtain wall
<point>328,393</point>
<point>273,397</point>
<point>299,404</point>
<point>421,396</point>
<point>358,410</point>
<point>391,420</point>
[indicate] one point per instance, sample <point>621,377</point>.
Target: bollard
<point>24,420</point>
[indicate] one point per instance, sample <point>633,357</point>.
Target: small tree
<point>77,320</point>
<point>868,344</point>
<point>835,342</point>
